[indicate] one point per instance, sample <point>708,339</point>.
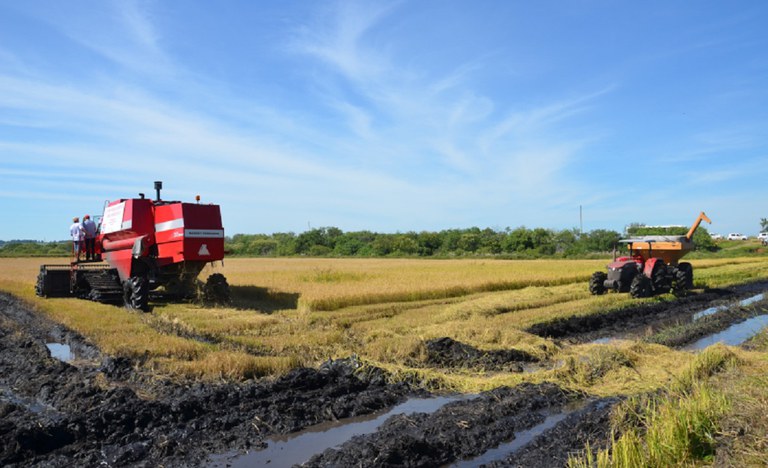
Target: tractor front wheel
<point>597,283</point>
<point>136,293</point>
<point>659,279</point>
<point>640,287</point>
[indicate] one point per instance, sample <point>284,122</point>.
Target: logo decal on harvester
<point>203,250</point>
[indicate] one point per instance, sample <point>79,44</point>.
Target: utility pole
<point>581,222</point>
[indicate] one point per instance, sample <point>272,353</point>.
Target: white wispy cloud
<point>440,116</point>
<point>472,149</point>
<point>338,39</point>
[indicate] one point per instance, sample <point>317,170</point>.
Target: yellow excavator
<point>652,267</point>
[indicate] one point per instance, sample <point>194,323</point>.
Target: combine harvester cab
<point>148,245</point>
<point>652,267</point>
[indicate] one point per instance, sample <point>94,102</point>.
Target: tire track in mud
<point>461,429</point>
<point>87,421</point>
<point>590,424</point>
<point>586,328</point>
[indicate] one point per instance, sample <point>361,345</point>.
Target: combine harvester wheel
<point>136,293</point>
<point>216,289</point>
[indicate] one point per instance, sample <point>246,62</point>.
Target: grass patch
<point>271,318</point>
<point>672,428</point>
<point>231,365</point>
<point>743,433</point>
<point>589,368</point>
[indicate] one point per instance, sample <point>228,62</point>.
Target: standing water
<point>521,438</point>
<point>734,335</point>
<point>292,449</point>
<point>60,351</point>
<point>714,310</point>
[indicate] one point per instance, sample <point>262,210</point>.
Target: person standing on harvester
<point>77,233</point>
<point>89,227</point>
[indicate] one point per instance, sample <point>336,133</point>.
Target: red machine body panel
<point>187,231</point>
<point>650,264</point>
<point>168,232</point>
<point>125,222</point>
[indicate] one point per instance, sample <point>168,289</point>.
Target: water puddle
<point>714,310</point>
<point>521,438</point>
<point>297,448</point>
<point>654,327</point>
<point>734,335</point>
<point>752,300</point>
<point>62,352</point>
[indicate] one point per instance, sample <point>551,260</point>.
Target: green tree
<point>518,240</point>
<point>404,244</point>
<point>567,242</point>
<point>601,240</point>
<point>286,243</point>
<point>383,245</point>
<point>702,240</point>
<point>469,242</point>
<point>490,241</point>
<point>543,241</point>
<point>429,243</point>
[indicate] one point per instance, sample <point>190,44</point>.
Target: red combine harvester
<point>652,266</point>
<point>148,245</point>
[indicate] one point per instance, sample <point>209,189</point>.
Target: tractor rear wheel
<point>216,289</point>
<point>683,279</point>
<point>641,286</point>
<point>136,293</point>
<point>597,283</point>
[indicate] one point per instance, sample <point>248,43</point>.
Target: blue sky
<point>387,116</point>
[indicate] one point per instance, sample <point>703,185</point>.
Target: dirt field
<point>513,374</point>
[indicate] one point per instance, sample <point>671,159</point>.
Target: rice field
<point>330,284</point>
<point>300,311</point>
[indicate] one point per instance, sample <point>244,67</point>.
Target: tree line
<point>520,242</point>
<point>30,248</point>
<point>332,241</point>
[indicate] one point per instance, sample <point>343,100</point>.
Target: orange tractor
<point>652,266</point>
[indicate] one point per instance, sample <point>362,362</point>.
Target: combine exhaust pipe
<point>158,186</point>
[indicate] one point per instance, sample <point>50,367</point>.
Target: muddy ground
<point>56,414</point>
<point>463,430</point>
<point>647,321</point>
<point>99,410</point>
<point>448,353</point>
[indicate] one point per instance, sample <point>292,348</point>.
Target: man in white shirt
<point>77,234</point>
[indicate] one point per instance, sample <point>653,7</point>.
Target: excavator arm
<point>702,217</point>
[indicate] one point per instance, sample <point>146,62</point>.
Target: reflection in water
<point>292,449</point>
<point>60,351</point>
<point>521,438</point>
<point>714,310</point>
<point>734,335</point>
